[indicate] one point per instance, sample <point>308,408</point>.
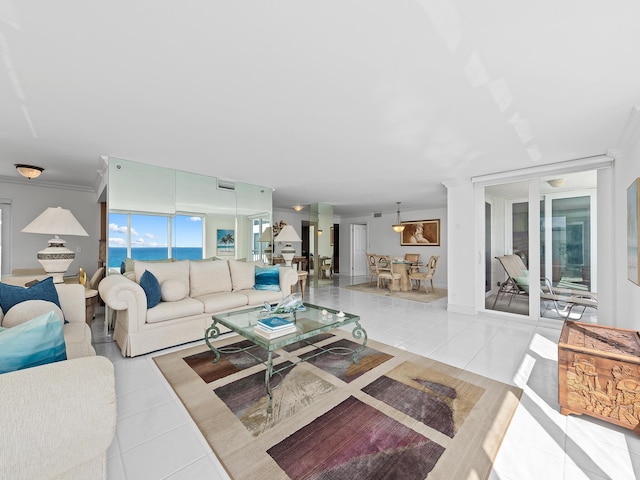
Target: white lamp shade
<point>56,221</point>
<point>288,234</point>
<point>267,235</point>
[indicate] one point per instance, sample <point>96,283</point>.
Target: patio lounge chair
<point>566,303</point>
<point>571,305</point>
<point>514,268</point>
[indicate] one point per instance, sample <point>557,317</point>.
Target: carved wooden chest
<point>599,373</point>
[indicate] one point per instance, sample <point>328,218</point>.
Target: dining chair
<point>326,268</point>
<point>96,278</point>
<point>426,275</point>
<point>385,271</point>
<point>373,272</point>
<point>414,258</point>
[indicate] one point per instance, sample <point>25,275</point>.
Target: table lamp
<point>56,258</point>
<point>267,237</point>
<point>288,235</point>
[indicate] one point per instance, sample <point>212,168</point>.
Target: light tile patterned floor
<point>156,439</point>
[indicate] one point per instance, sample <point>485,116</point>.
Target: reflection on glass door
<point>487,247</point>
<point>509,244</point>
<point>568,228</point>
<point>571,246</point>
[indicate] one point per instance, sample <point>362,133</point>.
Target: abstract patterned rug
<point>394,415</point>
<point>415,295</point>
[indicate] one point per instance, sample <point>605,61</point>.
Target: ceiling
<point>357,104</point>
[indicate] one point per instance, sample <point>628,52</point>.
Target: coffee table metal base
<point>213,332</point>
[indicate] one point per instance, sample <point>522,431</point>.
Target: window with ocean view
<point>154,237</point>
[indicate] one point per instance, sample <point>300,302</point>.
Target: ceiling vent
<point>226,185</point>
<point>377,214</point>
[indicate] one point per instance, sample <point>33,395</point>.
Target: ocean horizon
<point>118,254</point>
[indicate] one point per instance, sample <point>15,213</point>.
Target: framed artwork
<point>421,232</point>
<point>225,242</point>
<point>633,231</point>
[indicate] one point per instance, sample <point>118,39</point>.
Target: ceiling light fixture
<point>297,208</point>
<point>29,171</point>
<point>398,227</point>
<point>557,182</point>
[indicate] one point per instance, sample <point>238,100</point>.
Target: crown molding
<point>568,166</point>
<point>39,183</point>
<point>630,134</point>
<point>454,182</point>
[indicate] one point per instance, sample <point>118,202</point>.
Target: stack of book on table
<point>273,327</point>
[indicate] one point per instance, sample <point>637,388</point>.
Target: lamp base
<point>288,252</point>
<point>55,260</point>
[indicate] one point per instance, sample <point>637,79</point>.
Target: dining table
<point>402,267</point>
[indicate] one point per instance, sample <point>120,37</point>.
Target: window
<point>154,237</point>
<point>5,236</point>
<point>187,235</point>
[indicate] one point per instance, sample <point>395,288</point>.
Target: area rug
<point>393,415</point>
<point>415,295</point>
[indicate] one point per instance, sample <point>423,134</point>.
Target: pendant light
<point>398,227</point>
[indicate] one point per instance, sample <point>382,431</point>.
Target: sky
<point>152,231</point>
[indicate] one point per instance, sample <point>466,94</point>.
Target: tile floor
<point>156,439</point>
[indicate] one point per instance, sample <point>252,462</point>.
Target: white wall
<point>381,239</point>
<point>463,266</point>
<point>619,297</point>
<point>30,200</point>
<point>627,169</point>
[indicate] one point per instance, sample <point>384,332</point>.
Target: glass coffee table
<point>309,323</point>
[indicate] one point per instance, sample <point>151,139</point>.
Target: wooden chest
<point>599,373</point>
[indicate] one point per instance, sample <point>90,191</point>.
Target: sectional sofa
<point>59,418</point>
<point>190,293</point>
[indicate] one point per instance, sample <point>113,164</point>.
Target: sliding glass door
<point>567,227</point>
<point>566,256</point>
<point>508,230</point>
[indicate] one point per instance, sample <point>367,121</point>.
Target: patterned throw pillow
<point>151,287</point>
<point>36,342</point>
<point>11,295</point>
<point>267,278</point>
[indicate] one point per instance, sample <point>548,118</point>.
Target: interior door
<point>359,250</point>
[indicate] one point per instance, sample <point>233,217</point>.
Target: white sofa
<point>59,419</point>
<point>192,291</point>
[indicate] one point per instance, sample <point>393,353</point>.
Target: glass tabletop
<point>309,322</point>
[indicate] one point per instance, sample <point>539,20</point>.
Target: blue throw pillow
<point>36,342</point>
<point>11,295</point>
<point>151,287</point>
<point>267,278</point>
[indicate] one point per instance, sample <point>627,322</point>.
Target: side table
<point>302,280</point>
<point>90,300</point>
